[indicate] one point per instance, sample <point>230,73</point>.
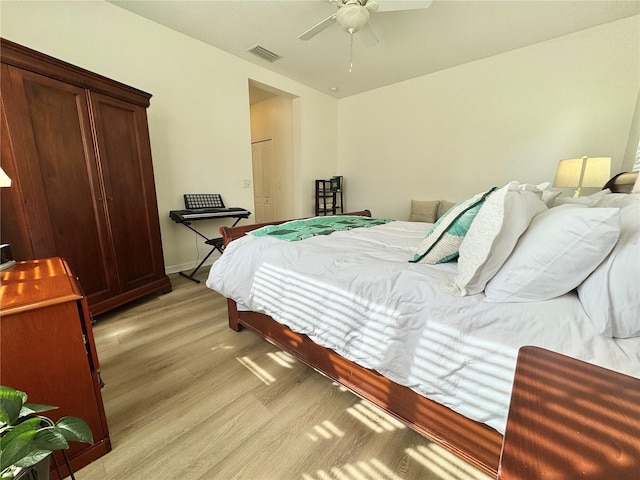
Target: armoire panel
<point>131,200</point>
<point>62,178</point>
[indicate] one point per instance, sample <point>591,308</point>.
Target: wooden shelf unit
<point>329,196</point>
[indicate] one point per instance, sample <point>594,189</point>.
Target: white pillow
<point>549,197</point>
<point>542,189</point>
<point>618,200</point>
<point>611,294</point>
<point>561,247</point>
<point>503,217</point>
<point>588,201</point>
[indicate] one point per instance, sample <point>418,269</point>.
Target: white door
<point>261,154</point>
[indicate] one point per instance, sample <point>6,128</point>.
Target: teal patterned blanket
<point>301,229</point>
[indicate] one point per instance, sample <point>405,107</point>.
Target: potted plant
<point>26,438</point>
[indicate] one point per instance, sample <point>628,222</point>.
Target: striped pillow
<point>443,240</point>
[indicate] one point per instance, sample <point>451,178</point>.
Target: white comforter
<point>356,293</point>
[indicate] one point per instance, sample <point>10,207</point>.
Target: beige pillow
<point>424,210</point>
<point>444,207</point>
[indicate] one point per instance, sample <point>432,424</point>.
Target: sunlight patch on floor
<point>372,469</point>
<point>257,370</point>
<point>340,387</point>
<point>373,418</point>
<point>116,333</point>
<point>443,463</point>
<point>326,430</point>
<point>282,358</point>
<point>221,347</point>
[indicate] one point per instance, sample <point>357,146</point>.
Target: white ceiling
<point>411,43</point>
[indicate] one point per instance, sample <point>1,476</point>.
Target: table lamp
<point>582,172</point>
<point>5,253</point>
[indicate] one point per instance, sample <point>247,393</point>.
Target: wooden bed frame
<point>474,442</point>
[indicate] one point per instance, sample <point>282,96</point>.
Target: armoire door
<point>53,154</point>
<point>125,163</point>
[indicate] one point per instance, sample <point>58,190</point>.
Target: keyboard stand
<point>215,243</point>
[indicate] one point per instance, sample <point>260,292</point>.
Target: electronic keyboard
<point>181,216</point>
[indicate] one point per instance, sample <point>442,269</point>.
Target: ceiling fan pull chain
<point>350,50</point>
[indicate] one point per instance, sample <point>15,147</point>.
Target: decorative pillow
<point>503,217</point>
<point>636,186</point>
<point>444,207</point>
<point>424,211</point>
<point>561,247</point>
<point>611,294</point>
<point>442,242</point>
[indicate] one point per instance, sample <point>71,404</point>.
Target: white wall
<point>199,114</point>
<point>509,117</point>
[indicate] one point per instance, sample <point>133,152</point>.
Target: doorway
<point>263,176</point>
<point>272,152</point>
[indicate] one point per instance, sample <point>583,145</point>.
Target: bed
<point>436,354</point>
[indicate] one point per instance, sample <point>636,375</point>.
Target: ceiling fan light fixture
<point>352,17</point>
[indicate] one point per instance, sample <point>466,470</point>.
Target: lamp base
<point>6,265</point>
<point>6,258</point>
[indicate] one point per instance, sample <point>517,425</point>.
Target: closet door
<point>54,157</point>
<point>127,171</point>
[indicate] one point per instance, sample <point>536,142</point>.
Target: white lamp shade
<point>5,181</point>
<point>583,172</point>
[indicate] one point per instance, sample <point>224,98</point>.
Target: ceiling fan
<point>353,16</point>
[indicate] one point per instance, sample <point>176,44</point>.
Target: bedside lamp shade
<point>5,253</point>
<point>5,181</point>
<point>582,172</point>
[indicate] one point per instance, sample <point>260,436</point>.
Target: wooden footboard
<point>231,233</point>
<point>476,443</point>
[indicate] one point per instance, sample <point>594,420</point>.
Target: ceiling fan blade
<point>368,36</point>
<point>396,5</point>
<point>313,31</point>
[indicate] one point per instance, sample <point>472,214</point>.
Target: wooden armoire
<point>76,145</point>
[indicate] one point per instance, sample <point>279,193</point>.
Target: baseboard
<point>189,267</point>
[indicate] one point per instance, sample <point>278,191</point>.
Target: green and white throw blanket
<point>301,229</point>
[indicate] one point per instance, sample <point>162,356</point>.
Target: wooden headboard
<point>622,182</point>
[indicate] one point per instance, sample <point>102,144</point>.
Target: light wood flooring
<point>187,398</point>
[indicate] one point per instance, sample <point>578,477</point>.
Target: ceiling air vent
<point>264,53</point>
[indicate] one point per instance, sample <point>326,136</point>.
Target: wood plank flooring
<point>187,398</point>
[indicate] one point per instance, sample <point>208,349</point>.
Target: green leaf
<point>34,457</point>
<point>11,402</point>
<point>7,474</point>
<point>31,424</point>
<point>18,448</point>
<point>8,391</point>
<point>31,408</point>
<point>75,429</point>
<point>50,438</point>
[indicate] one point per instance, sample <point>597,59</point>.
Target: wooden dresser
<point>76,145</point>
<point>47,349</point>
